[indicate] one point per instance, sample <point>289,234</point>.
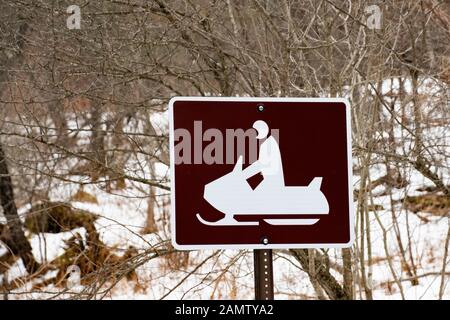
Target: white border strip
<point>261,246</point>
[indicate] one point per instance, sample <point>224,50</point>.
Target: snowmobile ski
<point>227,221</point>
<point>291,222</point>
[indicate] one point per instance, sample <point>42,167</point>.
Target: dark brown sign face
<point>260,173</point>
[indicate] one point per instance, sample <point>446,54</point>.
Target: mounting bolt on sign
<point>275,178</point>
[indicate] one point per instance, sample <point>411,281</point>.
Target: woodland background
<point>84,182</point>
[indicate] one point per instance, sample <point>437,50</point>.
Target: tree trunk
<point>348,273</point>
<point>150,223</point>
<point>98,144</point>
<point>18,243</point>
<point>323,276</point>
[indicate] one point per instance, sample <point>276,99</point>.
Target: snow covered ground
<point>228,274</point>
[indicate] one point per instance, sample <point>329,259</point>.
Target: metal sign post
<point>263,266</point>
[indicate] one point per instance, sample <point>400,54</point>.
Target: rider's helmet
<point>261,128</point>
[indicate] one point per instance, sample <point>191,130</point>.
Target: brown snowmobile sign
<point>260,173</point>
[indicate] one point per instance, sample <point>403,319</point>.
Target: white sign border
<point>260,246</point>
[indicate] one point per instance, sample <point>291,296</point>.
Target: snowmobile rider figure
<point>269,162</point>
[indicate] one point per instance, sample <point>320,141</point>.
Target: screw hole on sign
<point>260,108</point>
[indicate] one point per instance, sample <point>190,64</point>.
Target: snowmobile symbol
<point>232,195</point>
